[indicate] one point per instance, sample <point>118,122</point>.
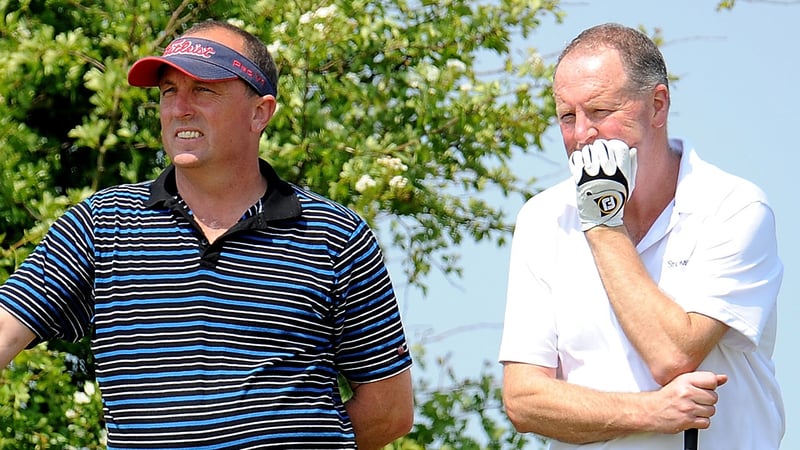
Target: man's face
<point>592,101</point>
<point>204,122</point>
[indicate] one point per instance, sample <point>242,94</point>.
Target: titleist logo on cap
<point>186,47</point>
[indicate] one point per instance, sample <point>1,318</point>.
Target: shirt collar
<point>690,181</point>
<point>280,201</point>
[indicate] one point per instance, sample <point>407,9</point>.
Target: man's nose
<point>585,130</point>
<point>181,104</point>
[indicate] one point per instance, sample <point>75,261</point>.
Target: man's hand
<point>604,172</point>
<point>687,402</point>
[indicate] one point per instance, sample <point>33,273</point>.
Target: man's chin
<point>186,160</point>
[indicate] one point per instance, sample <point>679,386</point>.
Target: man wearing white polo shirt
<point>642,292</point>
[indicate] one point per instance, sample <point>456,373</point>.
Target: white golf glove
<point>604,173</point>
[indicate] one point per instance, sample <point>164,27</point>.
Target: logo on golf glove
<point>604,173</point>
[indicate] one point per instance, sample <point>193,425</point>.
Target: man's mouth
<point>193,134</point>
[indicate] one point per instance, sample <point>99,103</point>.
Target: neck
<point>653,194</point>
<point>219,199</point>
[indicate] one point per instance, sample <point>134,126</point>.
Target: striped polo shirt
<point>233,344</point>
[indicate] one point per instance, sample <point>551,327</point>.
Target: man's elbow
<point>392,427</point>
<point>672,367</point>
<point>403,424</point>
<point>400,412</point>
<point>402,421</point>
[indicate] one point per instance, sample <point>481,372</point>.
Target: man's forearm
<point>568,412</point>
<point>14,337</point>
<point>536,402</point>
<point>668,339</point>
<point>381,411</point>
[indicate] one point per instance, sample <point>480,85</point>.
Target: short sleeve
<point>370,343</point>
<point>529,329</point>
<point>736,273</point>
<point>51,292</point>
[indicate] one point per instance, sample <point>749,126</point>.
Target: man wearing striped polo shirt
<point>224,300</point>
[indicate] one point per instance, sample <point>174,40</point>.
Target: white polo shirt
<point>713,250</point>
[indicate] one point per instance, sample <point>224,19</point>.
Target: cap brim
<point>146,72</point>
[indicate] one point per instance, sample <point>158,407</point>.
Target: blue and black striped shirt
<point>233,344</point>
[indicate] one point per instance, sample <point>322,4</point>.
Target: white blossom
<point>398,182</point>
<point>456,64</point>
<point>274,47</point>
<point>364,183</point>
<point>394,164</point>
<point>334,126</point>
<point>413,79</point>
<point>81,398</point>
<point>432,73</point>
<point>322,13</point>
<point>326,11</point>
<point>237,22</point>
<point>281,27</point>
<point>352,77</point>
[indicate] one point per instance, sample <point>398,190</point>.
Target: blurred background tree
<point>381,109</point>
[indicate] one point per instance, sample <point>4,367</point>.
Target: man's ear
<point>660,106</point>
<point>262,113</point>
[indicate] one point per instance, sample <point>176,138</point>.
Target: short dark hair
<point>254,48</point>
<point>643,62</point>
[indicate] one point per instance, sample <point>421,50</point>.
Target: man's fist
<point>604,173</point>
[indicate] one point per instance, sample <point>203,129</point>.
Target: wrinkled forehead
<point>589,69</point>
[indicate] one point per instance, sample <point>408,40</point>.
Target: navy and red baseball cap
<point>203,60</point>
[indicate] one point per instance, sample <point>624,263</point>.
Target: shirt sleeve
<point>736,273</point>
<point>529,327</point>
<point>370,340</point>
<point>51,292</point>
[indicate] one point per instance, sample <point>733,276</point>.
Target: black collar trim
<point>279,201</point>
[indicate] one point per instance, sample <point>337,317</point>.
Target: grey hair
<point>642,60</point>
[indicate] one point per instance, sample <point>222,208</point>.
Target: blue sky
<point>736,101</point>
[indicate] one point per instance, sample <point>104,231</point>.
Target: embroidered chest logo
<point>671,264</point>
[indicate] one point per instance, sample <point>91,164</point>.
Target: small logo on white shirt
<point>675,264</point>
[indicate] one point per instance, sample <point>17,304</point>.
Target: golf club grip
<point>690,439</point>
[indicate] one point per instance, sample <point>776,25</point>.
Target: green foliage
<point>381,108</point>
<point>49,401</point>
<point>449,413</point>
<point>725,4</point>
